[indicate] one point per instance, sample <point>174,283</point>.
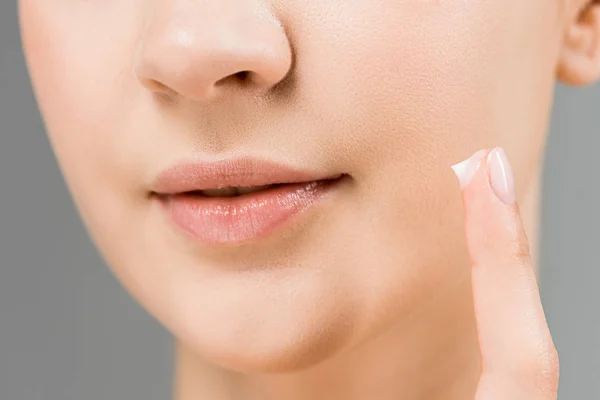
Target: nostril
<point>243,75</point>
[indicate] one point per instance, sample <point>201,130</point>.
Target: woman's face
<point>388,93</point>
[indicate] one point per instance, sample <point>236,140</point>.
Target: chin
<point>289,325</point>
<point>299,348</point>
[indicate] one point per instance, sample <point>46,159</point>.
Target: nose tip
<point>201,54</point>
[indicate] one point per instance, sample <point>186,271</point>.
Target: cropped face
<point>163,112</point>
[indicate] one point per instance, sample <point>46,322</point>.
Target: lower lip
<point>238,219</point>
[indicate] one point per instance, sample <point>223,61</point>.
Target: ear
<point>579,59</point>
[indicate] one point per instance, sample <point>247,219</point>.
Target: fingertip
<point>501,176</point>
<point>493,225</point>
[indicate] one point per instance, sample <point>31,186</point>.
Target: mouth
<point>238,201</point>
<point>232,191</point>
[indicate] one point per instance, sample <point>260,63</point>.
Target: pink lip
<point>237,219</point>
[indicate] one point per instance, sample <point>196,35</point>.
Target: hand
<point>518,355</point>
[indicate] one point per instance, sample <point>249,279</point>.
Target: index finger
<point>518,355</point>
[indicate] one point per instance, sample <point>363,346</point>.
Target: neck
<point>434,356</point>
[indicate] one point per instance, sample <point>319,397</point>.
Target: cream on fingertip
<point>465,170</point>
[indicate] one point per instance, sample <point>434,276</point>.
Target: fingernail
<point>501,176</point>
<point>465,170</point>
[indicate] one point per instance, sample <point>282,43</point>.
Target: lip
<point>238,219</point>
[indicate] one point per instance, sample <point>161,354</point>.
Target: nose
<point>205,48</point>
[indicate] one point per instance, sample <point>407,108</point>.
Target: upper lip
<point>240,172</point>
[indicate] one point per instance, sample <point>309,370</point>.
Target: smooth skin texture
<point>370,294</point>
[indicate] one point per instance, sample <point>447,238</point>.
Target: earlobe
<point>579,62</point>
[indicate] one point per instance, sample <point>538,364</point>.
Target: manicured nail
<point>465,170</point>
<point>501,176</point>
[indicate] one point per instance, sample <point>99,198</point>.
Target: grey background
<point>68,331</point>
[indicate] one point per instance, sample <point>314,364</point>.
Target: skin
<point>391,93</point>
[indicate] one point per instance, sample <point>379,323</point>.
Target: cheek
<point>430,82</point>
<point>80,71</point>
